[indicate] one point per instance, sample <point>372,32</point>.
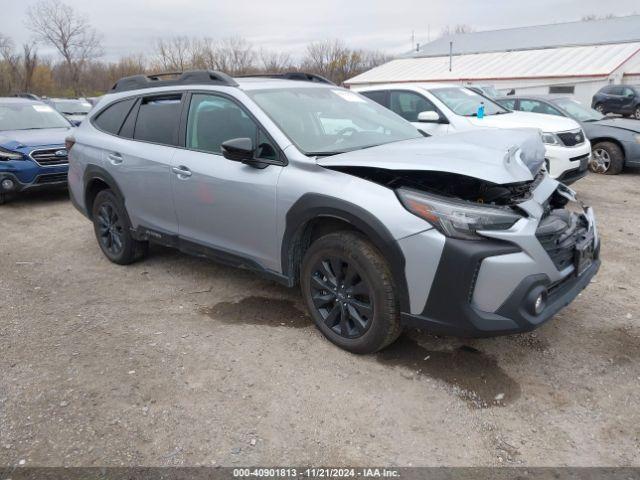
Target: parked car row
<point>439,109</point>
<point>310,184</point>
<point>615,142</point>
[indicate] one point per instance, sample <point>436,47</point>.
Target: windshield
<point>490,91</point>
<point>326,121</point>
<point>465,102</point>
<point>72,107</point>
<point>578,111</point>
<point>27,116</point>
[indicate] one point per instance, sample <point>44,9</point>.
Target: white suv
<point>439,109</point>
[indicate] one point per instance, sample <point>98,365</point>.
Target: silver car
<point>315,185</point>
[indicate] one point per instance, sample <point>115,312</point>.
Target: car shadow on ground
<point>37,197</point>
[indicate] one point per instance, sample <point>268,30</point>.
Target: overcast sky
<point>132,26</point>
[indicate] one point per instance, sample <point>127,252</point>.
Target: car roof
<point>18,101</point>
<point>404,85</point>
<point>260,83</point>
<point>543,97</point>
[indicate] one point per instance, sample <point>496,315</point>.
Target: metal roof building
<point>574,58</point>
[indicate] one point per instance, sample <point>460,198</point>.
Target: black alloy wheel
<point>110,229</point>
<point>342,296</point>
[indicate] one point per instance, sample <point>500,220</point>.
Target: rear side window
<point>378,97</point>
<point>158,119</point>
<point>510,104</point>
<point>112,118</point>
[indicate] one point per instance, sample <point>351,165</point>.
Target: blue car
<point>32,147</point>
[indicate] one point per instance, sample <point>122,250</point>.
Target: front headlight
<point>9,155</point>
<point>637,138</point>
<point>550,138</point>
<point>456,218</point>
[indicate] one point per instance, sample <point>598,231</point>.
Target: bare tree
<point>175,54</point>
<point>69,32</point>
<point>334,60</point>
<point>30,63</point>
<point>235,56</point>
<point>274,62</point>
<point>456,30</point>
<point>592,17</point>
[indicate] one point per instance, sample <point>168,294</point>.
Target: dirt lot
<point>180,361</point>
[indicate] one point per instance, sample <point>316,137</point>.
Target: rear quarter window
<point>111,119</point>
<point>158,119</point>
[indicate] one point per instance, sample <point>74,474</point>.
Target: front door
<point>223,204</point>
<point>410,104</point>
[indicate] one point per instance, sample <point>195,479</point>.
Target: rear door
<point>140,161</point>
<point>226,205</point>
<point>627,100</point>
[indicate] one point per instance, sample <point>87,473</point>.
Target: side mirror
<point>429,117</point>
<point>238,149</point>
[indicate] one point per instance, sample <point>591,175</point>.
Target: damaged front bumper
<point>514,280</point>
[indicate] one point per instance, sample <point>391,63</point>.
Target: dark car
<point>615,142</point>
<point>32,147</point>
<point>621,99</point>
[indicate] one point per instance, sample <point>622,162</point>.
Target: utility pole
<point>413,39</point>
<point>450,54</point>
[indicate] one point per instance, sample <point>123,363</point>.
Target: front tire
<point>113,230</point>
<point>348,289</point>
<point>636,113</point>
<point>600,108</point>
<point>607,158</point>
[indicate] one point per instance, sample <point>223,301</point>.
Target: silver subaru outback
<point>311,184</point>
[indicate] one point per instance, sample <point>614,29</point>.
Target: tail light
<point>69,142</point>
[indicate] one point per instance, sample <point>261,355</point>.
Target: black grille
<point>52,178</point>
<point>52,156</point>
<point>558,234</point>
<point>572,138</point>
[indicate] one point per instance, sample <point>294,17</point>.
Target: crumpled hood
<point>498,156</point>
<point>624,123</point>
<point>541,121</point>
<point>14,139</point>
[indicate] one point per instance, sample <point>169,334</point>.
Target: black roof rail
<point>195,77</point>
<point>306,77</point>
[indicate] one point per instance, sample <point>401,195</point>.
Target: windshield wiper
<point>322,154</point>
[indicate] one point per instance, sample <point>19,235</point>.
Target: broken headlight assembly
<point>457,218</point>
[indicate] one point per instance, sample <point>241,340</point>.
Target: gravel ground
<point>180,361</point>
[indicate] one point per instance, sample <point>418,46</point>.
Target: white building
<point>570,58</point>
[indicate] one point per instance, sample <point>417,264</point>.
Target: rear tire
<point>607,158</point>
<point>348,289</point>
<point>113,230</point>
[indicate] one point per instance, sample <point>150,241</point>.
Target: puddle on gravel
<point>271,312</point>
<point>474,376</point>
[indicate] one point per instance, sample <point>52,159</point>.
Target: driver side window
<point>409,104</point>
<point>213,120</point>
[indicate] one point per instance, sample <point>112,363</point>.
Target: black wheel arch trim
<point>95,172</point>
<point>313,206</point>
